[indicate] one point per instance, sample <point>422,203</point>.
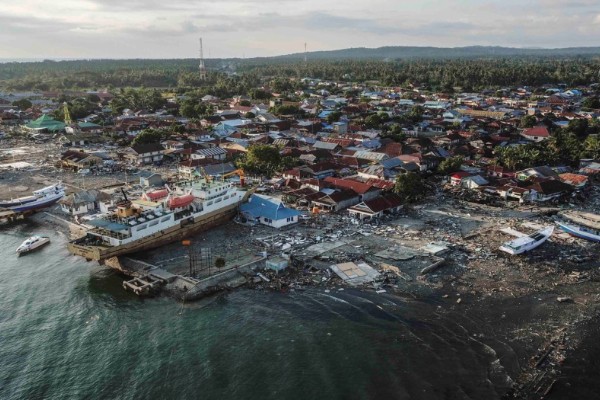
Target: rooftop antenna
<point>201,67</point>
<point>304,52</point>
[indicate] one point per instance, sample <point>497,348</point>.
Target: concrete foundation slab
<point>355,274</point>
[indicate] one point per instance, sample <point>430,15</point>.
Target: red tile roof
<point>573,179</point>
<point>383,203</point>
<point>358,187</point>
<point>540,131</point>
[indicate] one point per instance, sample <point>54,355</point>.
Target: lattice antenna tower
<point>202,67</point>
<point>305,57</point>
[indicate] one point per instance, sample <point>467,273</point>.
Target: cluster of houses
<point>346,162</point>
<point>531,185</point>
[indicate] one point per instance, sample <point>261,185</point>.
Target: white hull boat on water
<point>32,243</point>
<point>527,242</point>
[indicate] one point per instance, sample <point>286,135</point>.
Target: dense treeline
<point>436,74</point>
<point>445,74</point>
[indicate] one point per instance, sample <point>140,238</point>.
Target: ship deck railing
<point>114,235</point>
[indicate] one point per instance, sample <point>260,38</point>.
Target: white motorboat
<point>32,243</point>
<point>525,243</point>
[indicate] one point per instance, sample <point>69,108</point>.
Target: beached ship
<point>159,217</point>
<point>41,198</point>
<point>580,224</point>
<point>526,243</point>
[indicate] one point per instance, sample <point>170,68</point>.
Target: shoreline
<point>495,288</point>
<point>474,279</point>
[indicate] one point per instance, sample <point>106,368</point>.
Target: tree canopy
<point>261,159</point>
<point>410,187</point>
<point>149,136</point>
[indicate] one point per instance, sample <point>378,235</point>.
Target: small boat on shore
<point>529,242</point>
<point>580,231</point>
<point>33,243</point>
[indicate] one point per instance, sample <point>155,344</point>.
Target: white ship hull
<point>31,244</point>
<point>526,243</point>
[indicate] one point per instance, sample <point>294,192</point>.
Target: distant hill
<point>410,52</point>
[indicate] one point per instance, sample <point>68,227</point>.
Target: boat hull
<point>36,205</point>
<point>577,232</point>
<point>515,248</point>
<point>17,202</point>
<point>32,249</point>
<point>169,235</point>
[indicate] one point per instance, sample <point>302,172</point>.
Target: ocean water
<point>69,331</point>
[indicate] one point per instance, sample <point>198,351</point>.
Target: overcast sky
<point>248,28</point>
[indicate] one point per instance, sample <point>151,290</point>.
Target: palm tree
<point>592,147</point>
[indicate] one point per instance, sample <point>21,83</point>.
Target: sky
<point>251,28</point>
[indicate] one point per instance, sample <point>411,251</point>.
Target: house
<point>191,168</point>
<point>79,160</point>
<point>317,171</point>
<point>536,134</point>
<point>536,172</point>
<point>497,171</point>
<point>333,147</point>
<point>548,190</point>
<point>147,153</point>
<point>341,128</point>
<point>375,208</point>
<point>363,190</point>
<point>214,170</point>
<point>576,180</point>
<point>149,179</point>
<point>268,211</point>
<point>371,155</point>
<point>215,153</point>
<point>85,127</point>
<point>513,192</point>
<point>591,169</point>
<point>85,202</point>
<point>456,178</point>
<point>474,182</point>
<point>336,200</point>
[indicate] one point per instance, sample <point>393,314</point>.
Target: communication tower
<point>202,67</point>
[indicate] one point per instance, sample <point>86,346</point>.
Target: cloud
<point>158,28</point>
<point>16,24</point>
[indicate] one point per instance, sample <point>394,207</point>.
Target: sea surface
<point>69,331</point>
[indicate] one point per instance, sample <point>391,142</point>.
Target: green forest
<point>433,74</point>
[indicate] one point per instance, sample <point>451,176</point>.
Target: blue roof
<point>391,163</point>
<point>262,206</point>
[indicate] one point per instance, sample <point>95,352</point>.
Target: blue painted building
<point>268,211</point>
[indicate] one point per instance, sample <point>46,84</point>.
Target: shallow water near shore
<point>69,330</point>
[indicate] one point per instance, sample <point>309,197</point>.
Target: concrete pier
<point>10,216</point>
